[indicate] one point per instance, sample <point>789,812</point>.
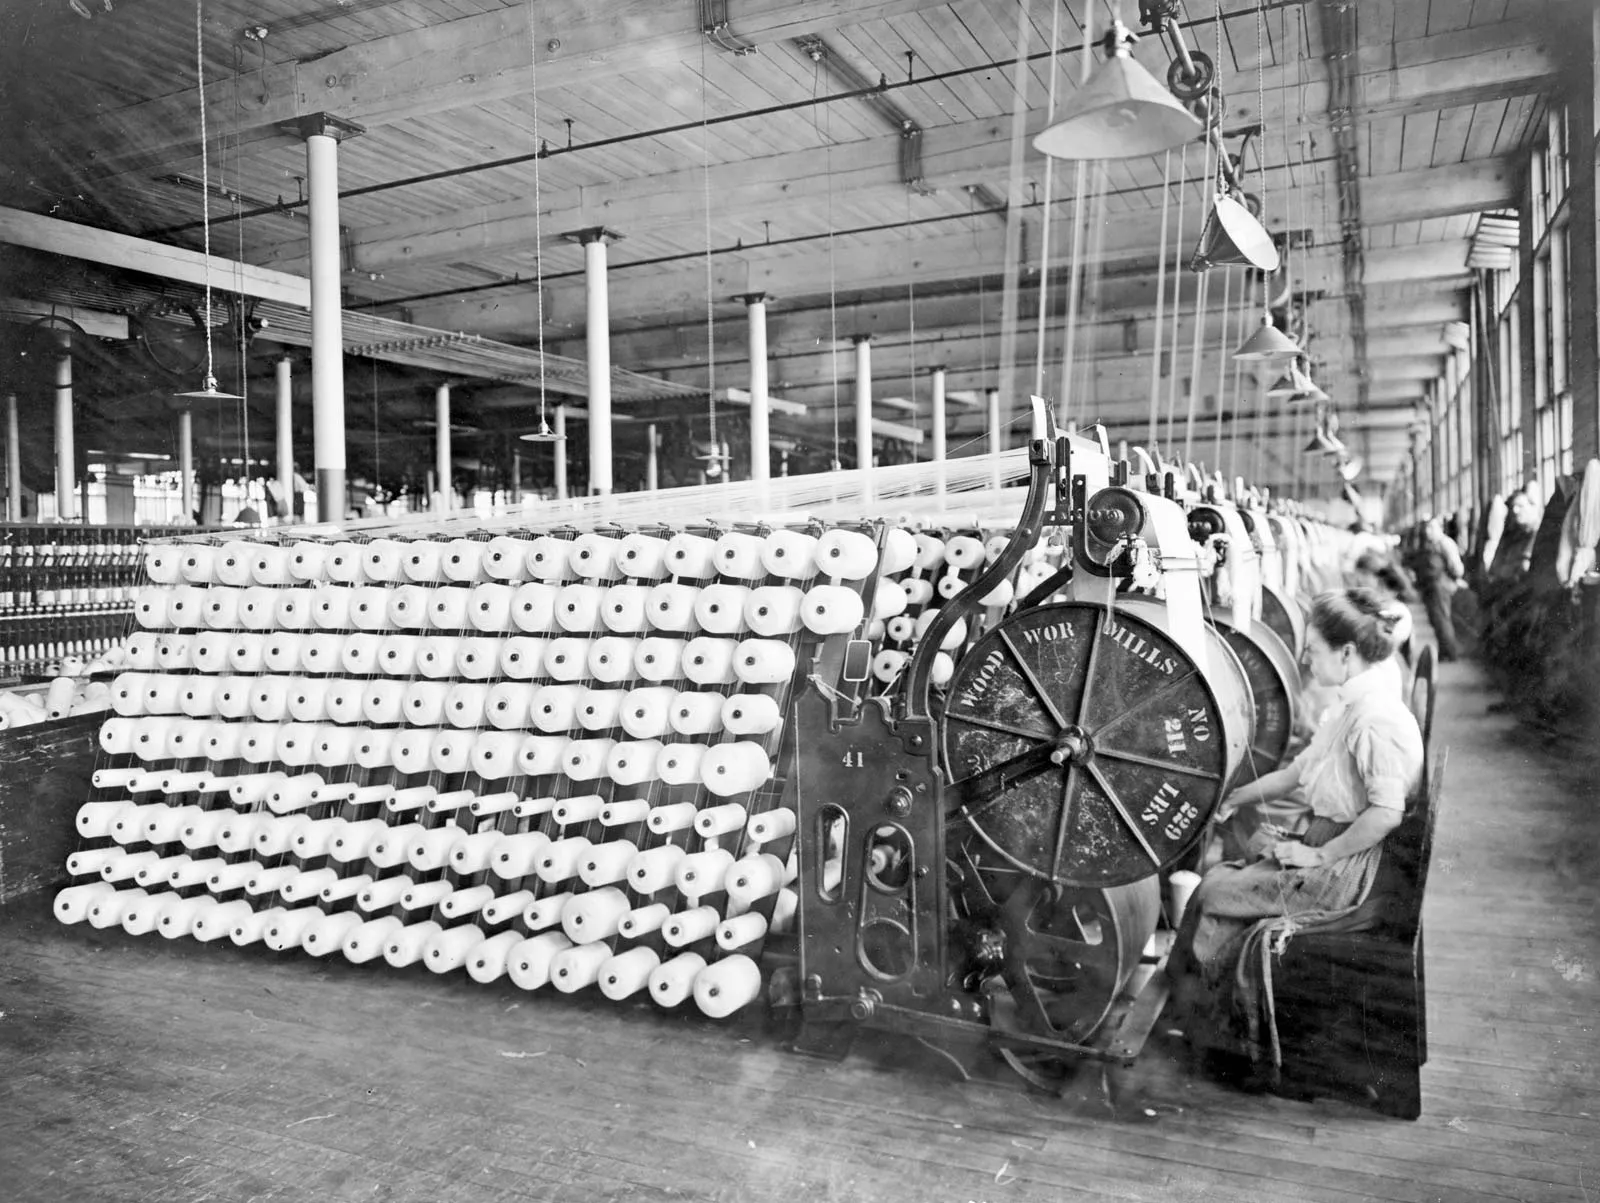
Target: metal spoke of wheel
<point>1122,811</point>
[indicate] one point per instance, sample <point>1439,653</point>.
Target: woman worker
<point>1351,784</point>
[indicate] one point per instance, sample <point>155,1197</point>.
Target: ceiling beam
<point>91,321</point>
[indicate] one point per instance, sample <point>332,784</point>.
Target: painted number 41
<point>854,760</point>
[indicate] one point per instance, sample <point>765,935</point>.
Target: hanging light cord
<point>538,231</point>
<point>1161,297</point>
<point>711,317</point>
<point>1044,231</point>
<point>205,182</point>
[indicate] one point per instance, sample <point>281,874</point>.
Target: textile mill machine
<point>922,775</point>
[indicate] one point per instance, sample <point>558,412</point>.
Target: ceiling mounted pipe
<point>1232,236</point>
<point>1123,112</point>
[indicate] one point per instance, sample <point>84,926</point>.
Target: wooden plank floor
<point>137,1069</point>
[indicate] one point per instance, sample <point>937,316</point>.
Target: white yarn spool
<point>918,591</point>
<point>489,608</point>
<point>374,748</point>
<point>1181,886</point>
<point>508,705</point>
<point>687,927</point>
<point>177,918</point>
<point>355,840</point>
<point>623,608</point>
<point>790,554</point>
<point>889,600</point>
<point>221,609</point>
<point>107,910</point>
<point>771,825</point>
<point>421,560</point>
<point>472,854</point>
<point>549,559</point>
<point>412,749</point>
<point>899,551</point>
<point>702,873</point>
<point>642,557</point>
<point>646,713</point>
<point>679,764</point>
<point>585,759</point>
<point>487,962</point>
<point>436,655</point>
<point>258,742</point>
<point>719,608</point>
<point>930,552</point>
<point>764,662</point>
<point>610,659</point>
<point>141,917</point>
<point>186,737</point>
<point>505,558</point>
<point>773,610</point>
<point>994,547</point>
<point>139,650</point>
<point>522,658</point>
<point>186,606</point>
<point>163,563</point>
<point>594,916</point>
<point>567,659</point>
<point>369,608</point>
<point>528,963</point>
<point>295,609</point>
<point>944,667</point>
<point>308,561</point>
<point>221,920</point>
<point>670,607</point>
<point>396,654</point>
<point>624,811</point>
<point>727,985</point>
<point>691,556</point>
<point>953,638</point>
<point>901,628</point>
<point>846,555</point>
<point>94,819</point>
<point>383,701</point>
<point>258,608</point>
<point>478,657</point>
<point>307,886</point>
<point>163,823</point>
<point>950,586</point>
<point>720,820</point>
<point>577,607</point>
<point>410,605</point>
<point>146,737</point>
<point>709,661</point>
<point>328,934</point>
<point>626,973</point>
<point>232,563</point>
<point>738,556</point>
<point>343,700</point>
<point>463,560</point>
<point>574,968</point>
<point>426,895</point>
<point>384,560</point>
<point>546,912</point>
<point>672,981</point>
<point>598,709</point>
<point>128,693</point>
<point>72,904</point>
<point>330,607</point>
<point>659,659</point>
<point>247,929</point>
<point>888,664</point>
<point>542,755</point>
<point>386,891</point>
<point>695,713</point>
<point>367,942</point>
<point>673,816</point>
<point>447,608</point>
<point>831,610</point>
<point>405,947</point>
<point>150,608</point>
<point>963,553</point>
<point>633,762</point>
<point>555,708</point>
<point>280,651</point>
<point>464,707</point>
<point>269,698</point>
<point>755,877</point>
<point>643,920</point>
<point>594,557</point>
<point>208,652</point>
<point>518,855</point>
<point>451,751</point>
<point>238,834</point>
<point>735,768</point>
<point>448,950</point>
<point>173,652</point>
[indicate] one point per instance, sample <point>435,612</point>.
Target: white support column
<point>652,464</point>
<point>66,453</point>
<point>443,471</point>
<point>598,342</point>
<point>186,462</point>
<point>760,436</point>
<point>560,448</point>
<point>996,435</point>
<point>285,382</point>
<point>13,461</point>
<point>516,474</point>
<point>939,426</point>
<point>322,133</point>
<point>864,413</point>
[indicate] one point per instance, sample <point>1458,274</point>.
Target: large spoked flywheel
<point>1089,749</point>
<point>1275,686</point>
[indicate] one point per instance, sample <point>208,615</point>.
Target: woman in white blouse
<point>1350,783</point>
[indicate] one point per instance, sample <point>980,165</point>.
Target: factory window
<point>1552,320</point>
<point>1509,409</point>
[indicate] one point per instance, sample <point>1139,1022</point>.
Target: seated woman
<point>1346,791</point>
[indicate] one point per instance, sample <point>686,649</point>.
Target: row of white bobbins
<point>645,712</point>
<point>719,988</point>
<point>533,608</point>
<point>726,769</point>
<point>791,555</point>
<point>610,659</point>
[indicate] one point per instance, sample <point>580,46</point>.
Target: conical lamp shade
<point>543,435</point>
<point>1123,112</point>
<point>1285,387</point>
<point>1350,468</point>
<point>1309,391</point>
<point>1267,343</point>
<point>208,392</point>
<point>1231,236</point>
<point>1322,444</point>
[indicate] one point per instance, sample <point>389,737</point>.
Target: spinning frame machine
<point>926,782</point>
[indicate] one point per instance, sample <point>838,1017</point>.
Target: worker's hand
<point>1230,804</point>
<point>1292,854</point>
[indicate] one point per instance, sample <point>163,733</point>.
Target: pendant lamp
<point>208,386</point>
<point>543,435</point>
<point>1232,236</point>
<point>1267,344</point>
<point>1350,468</point>
<point>1123,112</point>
